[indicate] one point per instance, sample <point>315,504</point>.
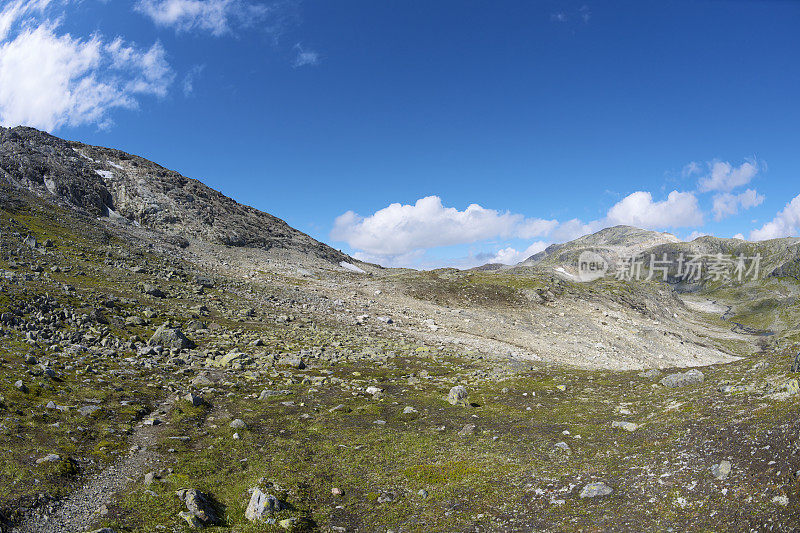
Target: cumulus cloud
<point>679,210</point>
<point>512,256</point>
<point>50,80</point>
<point>785,224</point>
<point>217,17</point>
<point>725,177</point>
<point>695,235</point>
<point>399,229</point>
<point>728,204</point>
<point>304,56</point>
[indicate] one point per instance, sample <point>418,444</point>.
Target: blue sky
<point>374,126</point>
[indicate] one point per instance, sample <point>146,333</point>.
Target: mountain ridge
<point>105,182</point>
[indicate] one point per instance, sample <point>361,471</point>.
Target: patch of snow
<point>351,267</point>
<point>562,271</point>
<point>114,165</point>
<point>85,156</point>
<point>105,174</point>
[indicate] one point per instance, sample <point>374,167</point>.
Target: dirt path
<point>78,511</point>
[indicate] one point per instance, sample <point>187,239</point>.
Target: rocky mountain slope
<point>109,183</point>
<point>612,243</point>
<point>146,385</point>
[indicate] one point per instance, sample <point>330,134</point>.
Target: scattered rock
<point>593,490</point>
<point>627,426</point>
<point>468,429</point>
<point>194,399</point>
<point>721,470</point>
<point>49,458</point>
<point>238,424</point>
<point>168,337</point>
<point>457,395</point>
<point>261,503</point>
<point>200,506</point>
<point>152,290</point>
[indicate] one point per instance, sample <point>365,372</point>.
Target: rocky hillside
<point>611,243</point>
<point>109,183</point>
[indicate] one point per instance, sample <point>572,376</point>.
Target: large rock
<point>170,338</point>
<point>262,503</point>
<point>796,364</point>
<point>593,490</point>
<point>457,395</point>
<point>690,377</point>
<point>199,506</point>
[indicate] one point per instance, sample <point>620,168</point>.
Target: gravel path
<point>78,511</point>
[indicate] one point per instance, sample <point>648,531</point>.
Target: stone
<point>202,380</point>
<point>149,477</point>
<point>88,409</point>
<point>261,503</point>
<point>294,362</point>
<point>468,429</point>
<point>20,386</point>
<point>409,410</point>
<point>288,523</point>
<point>194,399</point>
<point>199,506</point>
<point>374,390</point>
<point>49,458</point>
<point>685,379</point>
<point>171,338</point>
<point>793,387</point>
<point>593,490</point>
<point>337,491</point>
<point>627,426</point>
<point>796,363</point>
<point>781,500</point>
<point>721,470</point>
<point>238,424</point>
<point>152,290</point>
<point>191,519</point>
<point>457,395</point>
<point>387,497</point>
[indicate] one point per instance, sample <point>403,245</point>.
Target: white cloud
<point>725,177</point>
<point>217,17</point>
<point>399,229</point>
<point>691,169</point>
<point>785,224</point>
<point>728,204</point>
<point>679,210</point>
<point>695,235</point>
<point>18,10</point>
<point>189,79</point>
<point>512,256</point>
<point>572,229</point>
<point>304,57</point>
<point>51,80</point>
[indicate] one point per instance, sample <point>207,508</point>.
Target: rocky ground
<point>146,386</point>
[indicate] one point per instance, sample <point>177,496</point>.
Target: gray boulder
<point>262,503</point>
<point>199,506</point>
<point>593,490</point>
<point>457,395</point>
<point>796,364</point>
<point>170,338</point>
